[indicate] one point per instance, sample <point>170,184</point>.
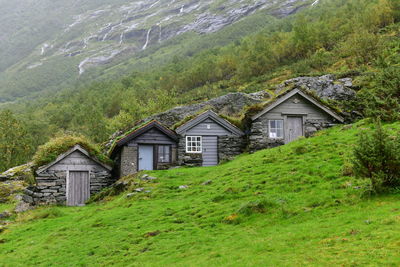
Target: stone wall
<point>188,159</point>
<point>50,187</point>
<point>230,147</point>
<point>129,160</point>
<point>166,166</point>
<point>259,137</point>
<point>313,126</point>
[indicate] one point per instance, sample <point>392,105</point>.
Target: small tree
<point>377,157</point>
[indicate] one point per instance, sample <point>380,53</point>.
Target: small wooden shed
<point>290,116</point>
<point>208,139</point>
<point>71,179</point>
<point>149,147</point>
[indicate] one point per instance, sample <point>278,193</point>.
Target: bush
<point>61,144</point>
<point>377,157</point>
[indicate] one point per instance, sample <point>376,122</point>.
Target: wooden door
<point>210,150</point>
<point>146,157</point>
<point>294,128</point>
<point>78,188</point>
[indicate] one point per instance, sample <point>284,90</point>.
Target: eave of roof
<point>214,116</point>
<point>288,95</point>
<point>69,152</point>
<point>140,130</point>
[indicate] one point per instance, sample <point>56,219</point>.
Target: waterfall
<point>121,38</point>
<point>81,66</point>
<point>147,39</point>
<point>181,11</point>
<point>315,3</point>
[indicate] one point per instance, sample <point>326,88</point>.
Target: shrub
<point>61,144</point>
<point>377,157</point>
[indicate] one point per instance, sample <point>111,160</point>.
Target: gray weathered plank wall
<point>153,136</point>
<point>77,161</point>
<point>303,106</point>
<point>202,129</point>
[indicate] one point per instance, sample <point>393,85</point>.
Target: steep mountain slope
<point>288,206</point>
<point>66,40</point>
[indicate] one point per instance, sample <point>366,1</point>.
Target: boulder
<point>22,207</point>
<point>5,215</point>
<point>207,182</point>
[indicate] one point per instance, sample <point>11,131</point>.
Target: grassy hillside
<point>288,206</point>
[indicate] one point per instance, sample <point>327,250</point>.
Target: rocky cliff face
<point>100,35</point>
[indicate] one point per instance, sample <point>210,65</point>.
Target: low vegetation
<point>377,158</point>
<point>280,207</point>
<point>61,144</point>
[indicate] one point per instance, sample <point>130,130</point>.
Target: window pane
<point>276,128</point>
<point>163,154</point>
<point>193,145</point>
<point>280,133</point>
<point>272,124</point>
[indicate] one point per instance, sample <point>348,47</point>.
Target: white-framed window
<point>275,129</point>
<point>193,144</point>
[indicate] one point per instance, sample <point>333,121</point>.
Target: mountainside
<point>357,39</point>
<point>290,206</point>
<point>66,40</point>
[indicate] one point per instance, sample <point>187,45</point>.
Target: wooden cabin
<point>207,139</point>
<point>71,179</point>
<point>290,116</point>
<point>149,147</point>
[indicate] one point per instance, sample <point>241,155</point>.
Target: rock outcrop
<point>326,87</point>
<point>19,173</point>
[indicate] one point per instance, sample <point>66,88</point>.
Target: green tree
<point>15,141</point>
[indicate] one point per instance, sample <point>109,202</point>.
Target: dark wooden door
<point>210,150</point>
<point>78,188</point>
<point>294,128</point>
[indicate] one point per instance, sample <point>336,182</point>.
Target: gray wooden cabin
<point>208,139</point>
<point>289,117</point>
<point>71,179</point>
<point>150,147</point>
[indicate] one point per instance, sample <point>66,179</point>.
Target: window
<point>164,154</point>
<point>276,129</point>
<point>193,144</point>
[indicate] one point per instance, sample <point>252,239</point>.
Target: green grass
<point>5,207</point>
<point>288,206</point>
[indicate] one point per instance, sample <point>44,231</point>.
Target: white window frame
<point>270,128</point>
<point>190,148</point>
